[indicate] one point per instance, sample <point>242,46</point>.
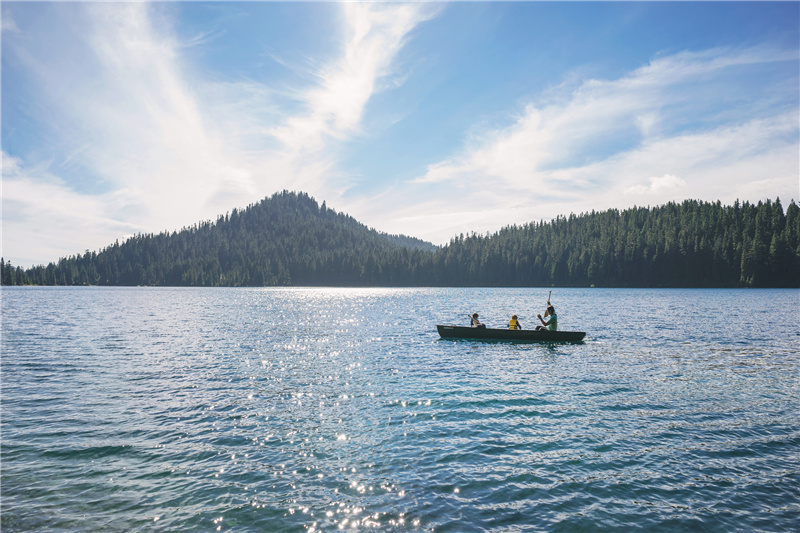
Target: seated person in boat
<point>475,322</point>
<point>514,323</point>
<point>552,323</point>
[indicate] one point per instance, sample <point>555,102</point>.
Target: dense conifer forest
<point>289,239</point>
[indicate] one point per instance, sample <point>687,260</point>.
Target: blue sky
<point>427,119</point>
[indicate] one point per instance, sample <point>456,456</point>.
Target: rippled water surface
<point>154,409</point>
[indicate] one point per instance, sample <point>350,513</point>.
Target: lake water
<point>160,409</point>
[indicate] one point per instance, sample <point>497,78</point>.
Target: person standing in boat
<point>514,323</point>
<point>475,322</point>
<point>552,323</point>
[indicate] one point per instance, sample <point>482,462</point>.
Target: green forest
<point>289,239</point>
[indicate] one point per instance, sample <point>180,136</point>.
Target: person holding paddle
<point>475,322</point>
<point>552,323</point>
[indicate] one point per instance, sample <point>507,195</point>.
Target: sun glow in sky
<point>427,119</point>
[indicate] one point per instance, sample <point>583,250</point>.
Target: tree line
<point>289,239</point>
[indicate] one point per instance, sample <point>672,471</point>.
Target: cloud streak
<point>136,134</point>
<point>170,148</point>
<point>88,218</point>
<point>373,35</point>
<point>634,138</point>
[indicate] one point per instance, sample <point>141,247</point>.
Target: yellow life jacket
<point>514,324</point>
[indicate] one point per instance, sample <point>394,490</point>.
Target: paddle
<point>545,309</point>
<point>480,325</point>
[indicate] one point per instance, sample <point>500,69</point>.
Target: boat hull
<point>514,335</point>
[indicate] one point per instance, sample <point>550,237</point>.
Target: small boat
<point>515,335</point>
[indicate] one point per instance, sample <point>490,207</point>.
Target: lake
<point>305,409</point>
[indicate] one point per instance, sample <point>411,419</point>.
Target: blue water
<point>157,409</point>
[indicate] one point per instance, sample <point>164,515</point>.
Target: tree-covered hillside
<point>289,239</point>
<point>691,244</point>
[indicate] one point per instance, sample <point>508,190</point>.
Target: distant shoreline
<point>290,240</point>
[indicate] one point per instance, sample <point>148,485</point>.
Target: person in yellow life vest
<point>514,323</point>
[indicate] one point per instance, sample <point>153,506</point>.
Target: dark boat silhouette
<point>518,335</point>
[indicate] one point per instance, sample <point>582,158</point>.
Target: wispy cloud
<point>373,34</point>
<point>38,206</point>
<point>135,134</point>
<point>657,185</point>
<point>601,117</point>
<point>171,147</point>
<point>9,25</point>
<point>657,134</point>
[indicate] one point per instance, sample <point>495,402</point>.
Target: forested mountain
<point>289,239</point>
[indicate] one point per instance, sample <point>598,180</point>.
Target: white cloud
<point>8,24</point>
<point>168,147</point>
<point>373,35</point>
<point>667,182</point>
<point>40,208</point>
<point>646,136</point>
<point>624,111</point>
<point>716,164</point>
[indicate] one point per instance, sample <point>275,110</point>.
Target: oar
<point>545,310</point>
<point>470,320</point>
